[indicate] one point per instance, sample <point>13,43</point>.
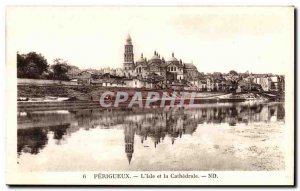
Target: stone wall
<point>23,81</point>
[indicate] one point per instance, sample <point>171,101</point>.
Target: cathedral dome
<point>173,59</point>
<point>155,56</point>
<point>190,66</point>
<point>141,59</point>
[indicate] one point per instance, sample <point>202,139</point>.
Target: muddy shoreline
<point>42,106</point>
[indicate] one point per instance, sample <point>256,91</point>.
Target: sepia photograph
<point>133,95</point>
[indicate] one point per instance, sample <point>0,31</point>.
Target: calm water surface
<point>228,136</point>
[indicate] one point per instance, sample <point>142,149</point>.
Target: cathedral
<point>171,70</point>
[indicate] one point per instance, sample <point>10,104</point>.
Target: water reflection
<point>34,139</point>
<point>35,129</point>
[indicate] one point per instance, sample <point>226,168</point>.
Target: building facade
<point>128,63</point>
<point>171,70</point>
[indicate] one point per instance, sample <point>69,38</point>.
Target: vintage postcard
<point>138,95</point>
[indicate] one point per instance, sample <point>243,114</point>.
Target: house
<point>209,84</point>
<point>108,70</point>
<point>84,77</point>
<point>73,72</point>
<point>281,83</point>
<point>112,83</point>
<point>218,84</point>
<point>109,80</point>
<point>195,82</point>
<point>264,82</point>
<point>119,72</point>
<point>273,83</point>
<point>134,83</point>
<point>203,84</point>
<point>243,86</point>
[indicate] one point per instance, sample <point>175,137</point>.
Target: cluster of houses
<point>172,73</point>
<point>202,82</point>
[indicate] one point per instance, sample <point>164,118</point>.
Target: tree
<point>21,65</point>
<point>60,69</point>
<point>233,73</point>
<point>31,65</point>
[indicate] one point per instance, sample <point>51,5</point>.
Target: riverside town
<point>147,106</point>
<point>62,81</point>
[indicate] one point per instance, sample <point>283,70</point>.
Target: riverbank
<point>51,97</point>
<point>84,93</point>
<point>24,106</point>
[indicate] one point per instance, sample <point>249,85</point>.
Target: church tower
<point>129,132</point>
<point>128,55</point>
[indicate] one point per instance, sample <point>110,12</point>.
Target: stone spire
<point>129,157</point>
<point>128,40</point>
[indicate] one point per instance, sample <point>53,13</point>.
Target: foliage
<point>31,65</point>
<point>35,66</point>
<point>234,79</point>
<point>60,69</point>
<point>233,73</point>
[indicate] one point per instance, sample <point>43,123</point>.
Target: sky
<point>215,39</point>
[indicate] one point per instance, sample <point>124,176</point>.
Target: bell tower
<point>129,132</point>
<point>128,55</point>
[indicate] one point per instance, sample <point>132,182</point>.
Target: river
<point>220,137</point>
